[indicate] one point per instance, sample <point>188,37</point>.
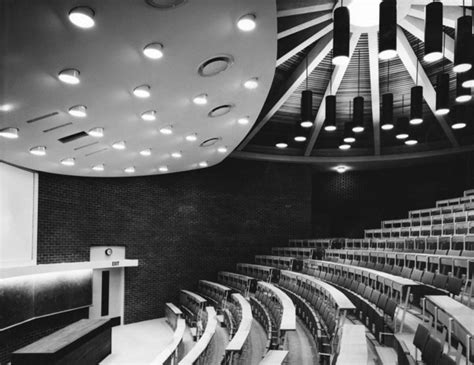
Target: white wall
<point>18,216</point>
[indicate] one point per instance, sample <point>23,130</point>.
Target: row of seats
<point>261,314</point>
<point>260,272</point>
<point>457,217</point>
<point>217,293</point>
<point>441,210</point>
<point>243,283</point>
<point>431,348</point>
<point>442,229</point>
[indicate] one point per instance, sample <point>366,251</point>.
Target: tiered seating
<point>216,293</point>
<point>202,350</point>
<point>192,305</point>
<point>243,283</point>
<point>281,308</point>
<point>260,272</point>
<point>279,262</point>
<point>174,318</point>
<point>296,252</point>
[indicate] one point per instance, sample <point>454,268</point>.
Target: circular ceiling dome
<point>210,142</point>
<point>215,65</point>
<point>220,110</point>
<point>165,4</point>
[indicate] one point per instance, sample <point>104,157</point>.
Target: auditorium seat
<point>422,335</point>
<point>432,352</point>
<point>446,360</point>
<point>454,285</point>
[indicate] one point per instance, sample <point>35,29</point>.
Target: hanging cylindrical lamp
<point>341,35</point>
<point>330,123</point>
<point>300,134</point>
<point>307,104</point>
<point>462,44</point>
<point>469,75</point>
<point>358,116</point>
<point>387,29</point>
<point>387,112</point>
<point>416,105</point>
<point>458,116</point>
<point>433,32</point>
<point>349,136</point>
<point>463,94</point>
<point>442,94</point>
<point>402,128</point>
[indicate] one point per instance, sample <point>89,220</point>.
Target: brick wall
<point>343,205</point>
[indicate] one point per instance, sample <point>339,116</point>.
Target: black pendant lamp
<point>349,135</point>
<point>442,94</point>
<point>416,100</point>
<point>458,116</point>
<point>330,124</point>
<point>358,115</point>
<point>462,43</point>
<point>387,105</point>
<point>433,32</point>
<point>341,34</point>
<point>387,29</point>
<point>463,94</point>
<point>307,104</point>
<point>402,124</point>
<point>469,75</point>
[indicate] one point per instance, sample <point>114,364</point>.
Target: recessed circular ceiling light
<point>68,161</point>
<point>222,149</point>
<point>69,76</point>
<point>166,130</point>
<point>142,91</point>
<point>458,125</point>
<point>411,142</point>
<point>96,132</point>
<point>165,4</point>
<point>220,110</point>
<point>177,154</point>
<point>200,99</point>
<point>349,139</point>
<point>163,169</point>
<point>129,170</point>
<point>306,124</point>
<point>251,83</point>
<point>344,147</point>
<point>120,145</point>
<point>281,145</point>
<point>99,167</point>
<point>243,121</point>
<point>341,169</point>
<point>8,107</point>
<point>203,164</point>
<point>153,51</point>
<point>146,152</point>
<point>247,23</point>
<point>215,65</point>
<point>149,115</point>
<point>10,133</point>
<point>300,138</point>
<point>329,128</point>
<point>38,150</point>
<point>191,137</point>
<point>210,142</point>
<point>79,111</point>
<point>82,17</point>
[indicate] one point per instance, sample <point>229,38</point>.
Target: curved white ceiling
<point>37,41</point>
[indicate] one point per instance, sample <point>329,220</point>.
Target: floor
<point>301,345</point>
<point>138,343</point>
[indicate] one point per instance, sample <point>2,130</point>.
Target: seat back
<point>390,308</point>
<point>422,335</point>
<point>432,352</point>
<point>440,281</point>
<point>446,360</point>
<point>454,285</point>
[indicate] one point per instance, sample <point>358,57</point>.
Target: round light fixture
<point>251,83</point>
<point>129,170</point>
<point>191,137</point>
<point>149,115</point>
<point>69,76</point>
<point>79,111</point>
<point>222,149</point>
<point>177,154</point>
<point>120,145</point>
<point>142,91</point>
<point>344,146</point>
<point>200,99</point>
<point>146,152</point>
<point>349,139</point>
<point>82,17</point>
<point>300,138</point>
<point>220,110</point>
<point>416,121</point>
<point>38,151</point>
<point>433,57</point>
<point>387,126</point>
<point>243,121</point>
<point>203,164</point>
<point>247,23</point>
<point>341,169</point>
<point>68,161</point>
<point>330,128</point>
<point>153,51</point>
<point>96,132</point>
<point>411,142</point>
<point>163,169</point>
<point>458,125</point>
<point>358,129</point>
<point>99,167</point>
<point>10,133</point>
<point>215,65</point>
<point>463,98</point>
<point>442,111</point>
<point>281,145</point>
<point>402,136</point>
<point>306,124</point>
<point>167,130</point>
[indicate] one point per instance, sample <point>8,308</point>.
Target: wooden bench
<point>87,341</point>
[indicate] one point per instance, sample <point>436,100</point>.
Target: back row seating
<point>441,229</point>
<point>457,217</point>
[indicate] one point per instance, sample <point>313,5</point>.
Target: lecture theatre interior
<point>236,182</point>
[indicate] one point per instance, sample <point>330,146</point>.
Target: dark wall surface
<point>343,205</point>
